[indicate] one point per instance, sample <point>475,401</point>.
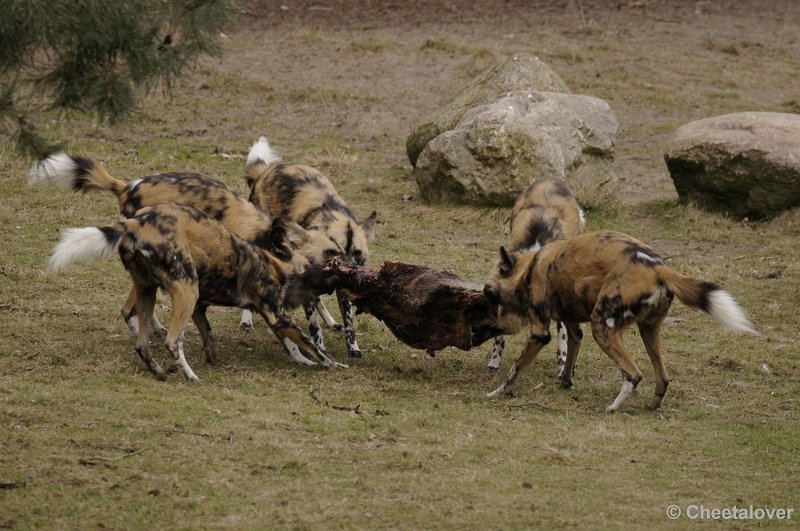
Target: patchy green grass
<point>89,439</point>
<point>400,439</point>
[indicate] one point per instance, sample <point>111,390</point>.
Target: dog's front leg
<point>573,340</point>
<point>539,337</point>
<point>314,328</point>
<point>327,318</point>
<point>209,343</point>
<point>290,334</point>
<point>497,353</point>
<point>346,308</point>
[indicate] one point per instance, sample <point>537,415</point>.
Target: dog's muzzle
<point>491,294</point>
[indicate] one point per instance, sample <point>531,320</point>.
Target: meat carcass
<point>425,308</point>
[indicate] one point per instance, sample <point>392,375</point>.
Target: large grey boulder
<point>498,149</point>
<point>743,164</point>
<point>521,72</point>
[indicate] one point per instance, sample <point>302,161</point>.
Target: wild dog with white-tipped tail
<point>544,212</point>
<point>199,263</point>
<point>612,281</point>
<point>207,194</point>
<point>304,195</point>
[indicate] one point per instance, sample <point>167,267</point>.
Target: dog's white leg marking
<point>314,329</point>
<point>497,353</point>
<point>180,358</point>
<point>133,324</point>
<point>624,393</point>
<point>349,328</point>
<point>507,387</point>
<point>294,353</point>
<point>246,323</point>
<point>158,328</point>
<point>561,352</point>
<point>327,318</point>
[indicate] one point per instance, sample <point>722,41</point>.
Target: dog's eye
<point>329,254</point>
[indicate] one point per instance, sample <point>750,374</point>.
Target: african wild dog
<point>612,281</point>
<point>209,195</point>
<point>545,212</point>
<point>199,263</point>
<point>307,197</point>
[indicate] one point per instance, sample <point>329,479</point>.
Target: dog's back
<point>545,212</point>
<point>204,193</point>
<point>304,195</point>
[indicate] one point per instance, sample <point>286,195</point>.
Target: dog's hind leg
<point>610,340</point>
<point>651,337</point>
<point>574,337</point>
<point>144,298</point>
<point>209,343</point>
<point>327,318</point>
<point>346,308</point>
<point>132,319</point>
<point>184,297</point>
<point>497,353</point>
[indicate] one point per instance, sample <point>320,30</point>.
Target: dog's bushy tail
<point>71,171</point>
<point>260,157</point>
<point>708,297</point>
<point>88,244</point>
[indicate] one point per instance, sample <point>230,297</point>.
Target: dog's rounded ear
<point>506,261</point>
<point>369,226</point>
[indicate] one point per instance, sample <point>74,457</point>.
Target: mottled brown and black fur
<point>612,281</point>
<point>198,263</point>
<point>304,195</point>
<point>546,211</point>
<point>209,195</point>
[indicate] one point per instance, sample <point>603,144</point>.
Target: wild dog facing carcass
<point>544,212</point>
<point>209,195</point>
<point>305,196</point>
<point>612,281</point>
<point>199,263</point>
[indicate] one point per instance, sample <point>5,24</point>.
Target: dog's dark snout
<point>491,294</point>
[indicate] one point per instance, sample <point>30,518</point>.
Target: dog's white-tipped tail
<point>56,170</point>
<point>262,153</point>
<point>724,309</point>
<point>88,244</point>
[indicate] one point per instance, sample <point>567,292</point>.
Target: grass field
<point>88,438</point>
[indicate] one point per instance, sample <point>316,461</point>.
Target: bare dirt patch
<point>387,64</point>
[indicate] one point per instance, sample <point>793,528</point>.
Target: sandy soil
<point>659,64</point>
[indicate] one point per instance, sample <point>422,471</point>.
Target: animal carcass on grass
<point>425,308</point>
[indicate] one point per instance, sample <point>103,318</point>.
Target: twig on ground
<point>91,461</point>
<point>13,484</point>
<point>184,432</point>
<point>313,393</point>
<point>529,405</point>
